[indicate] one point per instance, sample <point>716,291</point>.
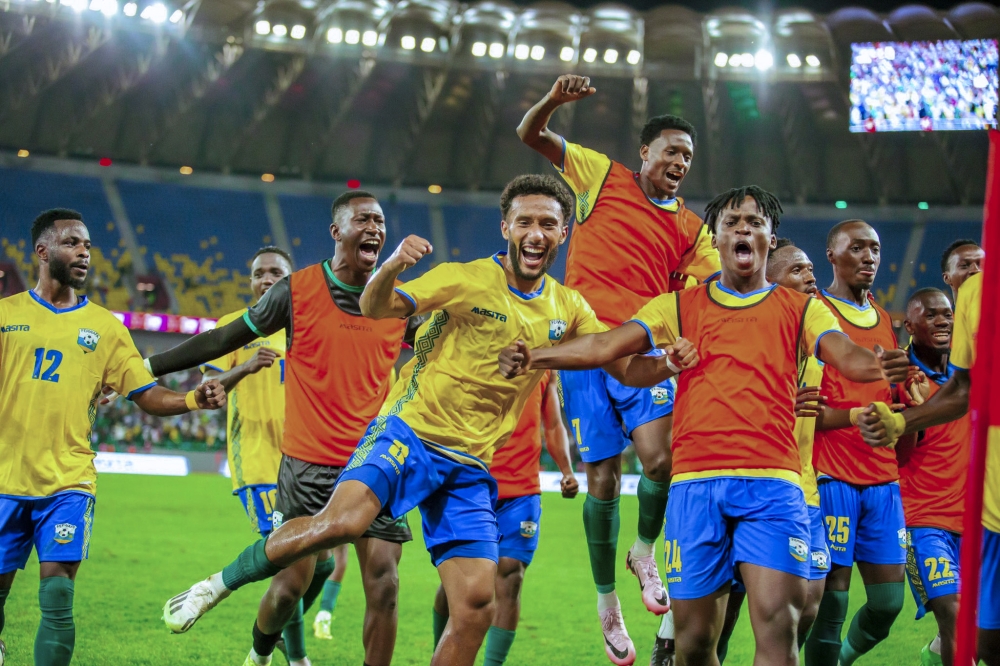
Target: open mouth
<point>812,290</point>
<point>532,257</point>
<point>743,252</point>
<point>942,336</point>
<point>368,249</point>
<point>674,176</point>
<point>83,268</point>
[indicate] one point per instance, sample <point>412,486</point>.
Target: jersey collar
<point>859,308</point>
<point>934,376</point>
<point>514,290</point>
<point>38,299</point>
<point>340,283</point>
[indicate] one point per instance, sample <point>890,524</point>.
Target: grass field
<point>154,536</point>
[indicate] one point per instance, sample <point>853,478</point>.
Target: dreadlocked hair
<point>767,204</point>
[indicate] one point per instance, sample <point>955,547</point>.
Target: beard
<point>61,273</point>
<point>514,252</point>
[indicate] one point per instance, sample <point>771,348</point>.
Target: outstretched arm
<point>583,353</point>
<point>880,426</point>
<point>264,358</point>
<point>380,300</point>
<point>202,348</point>
<point>861,365</point>
<point>534,130</point>
<point>557,440</point>
<point>642,371</point>
<point>160,401</point>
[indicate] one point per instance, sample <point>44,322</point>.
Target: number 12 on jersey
<point>54,358</point>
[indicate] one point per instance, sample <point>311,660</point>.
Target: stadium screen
<point>922,86</point>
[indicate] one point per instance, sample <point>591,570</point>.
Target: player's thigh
<point>518,519</point>
<point>698,622</point>
<point>697,548</point>
<point>63,526</point>
<point>17,530</point>
<point>595,424</point>
<point>509,579</point>
<point>881,530</point>
<point>775,598</point>
<point>840,503</point>
<point>932,567</point>
<point>58,569</point>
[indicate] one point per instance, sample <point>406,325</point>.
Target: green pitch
<point>155,536</point>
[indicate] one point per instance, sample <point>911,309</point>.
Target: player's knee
<point>657,466</point>
<point>509,584</point>
<point>382,589</point>
<point>695,646</point>
<point>283,594</point>
<point>477,609</point>
<point>946,614</point>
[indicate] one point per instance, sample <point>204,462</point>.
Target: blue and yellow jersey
<point>255,418</point>
<point>451,393</point>
<point>968,309</point>
<point>53,363</point>
<point>811,374</point>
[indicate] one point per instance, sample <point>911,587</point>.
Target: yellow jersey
<point>53,363</point>
<point>963,354</point>
<point>451,393</point>
<point>255,416</point>
<point>805,431</point>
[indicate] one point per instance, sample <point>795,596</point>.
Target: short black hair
<point>782,242</point>
<point>272,249</point>
<point>533,183</point>
<point>923,291</point>
<point>657,124</point>
<point>948,251</point>
<point>835,230</point>
<point>47,219</point>
<point>347,197</point>
<point>767,204</point>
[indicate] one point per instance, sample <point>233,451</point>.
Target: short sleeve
<point>125,372</point>
<point>585,322</point>
<point>437,289</point>
<point>702,260</point>
<point>661,319</point>
<point>584,170</point>
<point>273,312</point>
<point>967,313</point>
<point>818,321</point>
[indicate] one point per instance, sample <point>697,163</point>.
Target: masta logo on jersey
<point>65,532</point>
<point>14,328</point>
<point>528,529</point>
<point>798,548</point>
<point>88,340</point>
<point>660,395</point>
<point>556,329</point>
<point>499,316</point>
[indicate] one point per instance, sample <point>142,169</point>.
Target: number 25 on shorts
<point>839,528</point>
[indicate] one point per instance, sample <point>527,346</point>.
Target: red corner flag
<point>985,407</point>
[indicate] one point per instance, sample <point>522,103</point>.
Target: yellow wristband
<point>190,401</point>
<point>855,413</point>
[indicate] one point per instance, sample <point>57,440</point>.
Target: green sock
<point>498,642</point>
<point>250,566</point>
<point>601,522</point>
<point>56,632</point>
<point>652,508</point>
<point>823,645</point>
<point>3,600</point>
<point>872,622</point>
<point>331,590</point>
<point>318,584</point>
<point>440,621</point>
<point>295,635</point>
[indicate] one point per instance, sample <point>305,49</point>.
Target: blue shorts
<point>604,412</point>
<point>989,586</point>
<point>518,519</point>
<point>714,524</point>
<point>59,526</point>
<point>932,557</point>
<point>454,491</point>
<point>258,502</point>
<point>819,552</point>
<point>863,523</point>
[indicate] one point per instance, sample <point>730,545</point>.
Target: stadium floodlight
<point>298,31</point>
<point>566,53</point>
<point>369,38</point>
<point>812,60</point>
<point>335,35</point>
<point>130,9</point>
<point>262,28</point>
<point>479,49</point>
<point>633,57</point>
<point>78,5</point>
<point>352,37</point>
<point>721,59</point>
<point>923,205</point>
<point>735,60</point>
<point>408,42</point>
<point>590,55</point>
<point>427,44</point>
<point>746,60</point>
<point>497,50</point>
<point>95,5</point>
<point>174,18</point>
<point>537,52</point>
<point>522,51</point>
<point>793,60</point>
<point>186,171</point>
<point>611,56</point>
<point>841,204</point>
<point>279,30</point>
<point>23,153</point>
<point>434,189</point>
<point>763,60</point>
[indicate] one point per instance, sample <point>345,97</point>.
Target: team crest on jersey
<point>902,537</point>
<point>276,519</point>
<point>528,529</point>
<point>660,395</point>
<point>88,340</point>
<point>798,548</point>
<point>820,560</point>
<point>556,328</point>
<point>65,532</point>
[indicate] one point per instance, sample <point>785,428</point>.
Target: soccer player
<point>882,427</point>
<point>433,441</point>
<point>932,479</point>
<point>790,267</point>
<point>634,239</point>
<point>961,259</point>
<point>338,366</point>
<point>519,510</point>
<point>736,493</point>
<point>858,485</point>
<point>57,351</point>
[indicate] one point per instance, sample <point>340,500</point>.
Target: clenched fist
<point>410,251</point>
<point>571,88</point>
